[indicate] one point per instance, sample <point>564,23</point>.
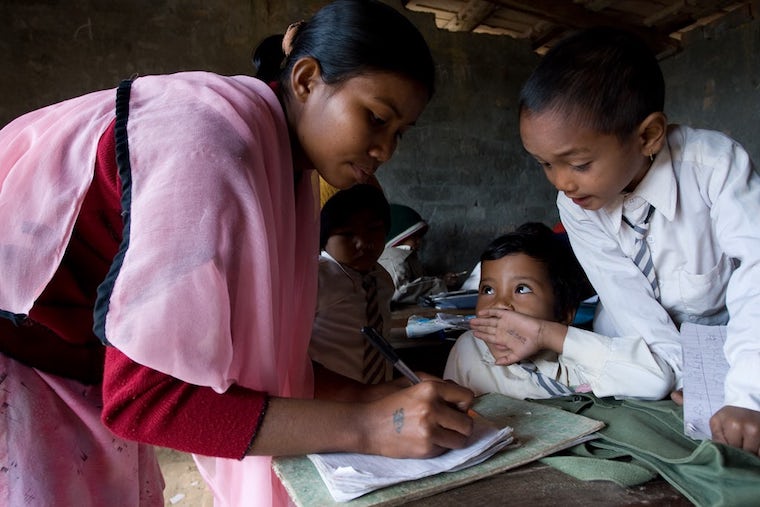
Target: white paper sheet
<point>705,368</point>
<point>348,476</point>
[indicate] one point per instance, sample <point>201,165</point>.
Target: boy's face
<point>516,282</point>
<point>359,243</point>
<point>591,168</point>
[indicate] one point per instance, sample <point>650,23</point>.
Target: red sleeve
<point>148,406</point>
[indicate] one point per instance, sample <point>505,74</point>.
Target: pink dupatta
<point>218,283</point>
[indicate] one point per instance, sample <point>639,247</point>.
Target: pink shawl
<point>218,283</point>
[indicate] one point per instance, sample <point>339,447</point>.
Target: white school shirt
<point>336,340</point>
<point>704,238</point>
<point>623,368</point>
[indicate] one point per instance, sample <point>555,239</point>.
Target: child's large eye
<point>523,289</point>
<point>487,290</point>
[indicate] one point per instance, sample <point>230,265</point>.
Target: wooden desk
<point>539,485</point>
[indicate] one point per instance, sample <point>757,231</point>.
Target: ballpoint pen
<point>389,353</point>
<point>387,350</point>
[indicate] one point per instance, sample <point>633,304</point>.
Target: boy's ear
<point>305,74</point>
<point>652,132</point>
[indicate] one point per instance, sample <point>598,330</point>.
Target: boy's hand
<point>512,337</point>
<point>737,427</point>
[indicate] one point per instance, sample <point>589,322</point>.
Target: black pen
<point>387,350</point>
<point>389,353</point>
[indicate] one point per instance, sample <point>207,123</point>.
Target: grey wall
<point>462,167</point>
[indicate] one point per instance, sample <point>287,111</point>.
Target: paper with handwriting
<point>704,373</point>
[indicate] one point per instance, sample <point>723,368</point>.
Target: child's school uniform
<point>623,367</point>
<point>336,341</point>
<point>704,239</point>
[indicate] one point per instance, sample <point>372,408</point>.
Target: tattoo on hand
<point>398,420</point>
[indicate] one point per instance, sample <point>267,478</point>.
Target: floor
<point>184,485</point>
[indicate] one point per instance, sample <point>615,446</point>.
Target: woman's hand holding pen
<point>421,421</point>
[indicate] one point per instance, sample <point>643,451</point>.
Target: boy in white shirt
<point>592,115</point>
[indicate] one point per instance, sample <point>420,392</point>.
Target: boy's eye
<point>581,167</point>
<point>523,289</point>
<point>487,290</point>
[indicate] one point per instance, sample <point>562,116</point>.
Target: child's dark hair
<point>603,78</point>
<point>339,209</point>
<point>351,37</point>
<point>267,58</point>
<point>553,250</point>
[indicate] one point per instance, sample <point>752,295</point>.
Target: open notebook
<point>537,431</point>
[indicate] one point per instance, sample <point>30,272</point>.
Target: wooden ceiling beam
<point>472,14</point>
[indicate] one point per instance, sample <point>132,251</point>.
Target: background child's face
<point>516,282</point>
<point>360,242</point>
<point>591,168</point>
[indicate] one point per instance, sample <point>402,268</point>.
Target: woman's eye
<point>487,290</point>
<point>523,289</point>
<point>375,119</point>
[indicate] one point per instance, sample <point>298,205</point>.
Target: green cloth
<point>644,438</point>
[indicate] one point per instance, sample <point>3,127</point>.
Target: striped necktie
<point>374,363</point>
<point>643,257</point>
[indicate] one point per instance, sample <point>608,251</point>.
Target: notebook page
<point>704,373</point>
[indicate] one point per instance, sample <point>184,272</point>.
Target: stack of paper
<point>348,476</point>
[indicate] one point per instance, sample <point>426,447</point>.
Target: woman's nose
<point>383,147</point>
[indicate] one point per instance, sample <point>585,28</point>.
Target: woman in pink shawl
<point>176,221</point>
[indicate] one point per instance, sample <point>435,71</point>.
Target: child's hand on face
<point>510,336</point>
<point>737,427</point>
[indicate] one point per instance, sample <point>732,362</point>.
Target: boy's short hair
<point>602,78</point>
<point>538,241</point>
<point>339,209</point>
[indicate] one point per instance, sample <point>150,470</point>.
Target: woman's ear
<point>305,75</point>
<point>652,132</point>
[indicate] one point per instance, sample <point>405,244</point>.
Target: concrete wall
<point>462,167</point>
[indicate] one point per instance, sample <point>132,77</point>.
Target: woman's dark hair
<point>268,57</point>
<point>553,250</point>
<point>351,37</point>
<point>339,209</point>
<point>602,78</point>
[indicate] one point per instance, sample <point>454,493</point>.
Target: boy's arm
<point>609,366</point>
<point>733,188</point>
<point>623,290</point>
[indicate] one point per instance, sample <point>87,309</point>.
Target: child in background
<point>633,189</point>
<point>400,257</point>
<point>353,225</point>
<point>533,274</point>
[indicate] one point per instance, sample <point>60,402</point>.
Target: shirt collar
<point>658,188</point>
